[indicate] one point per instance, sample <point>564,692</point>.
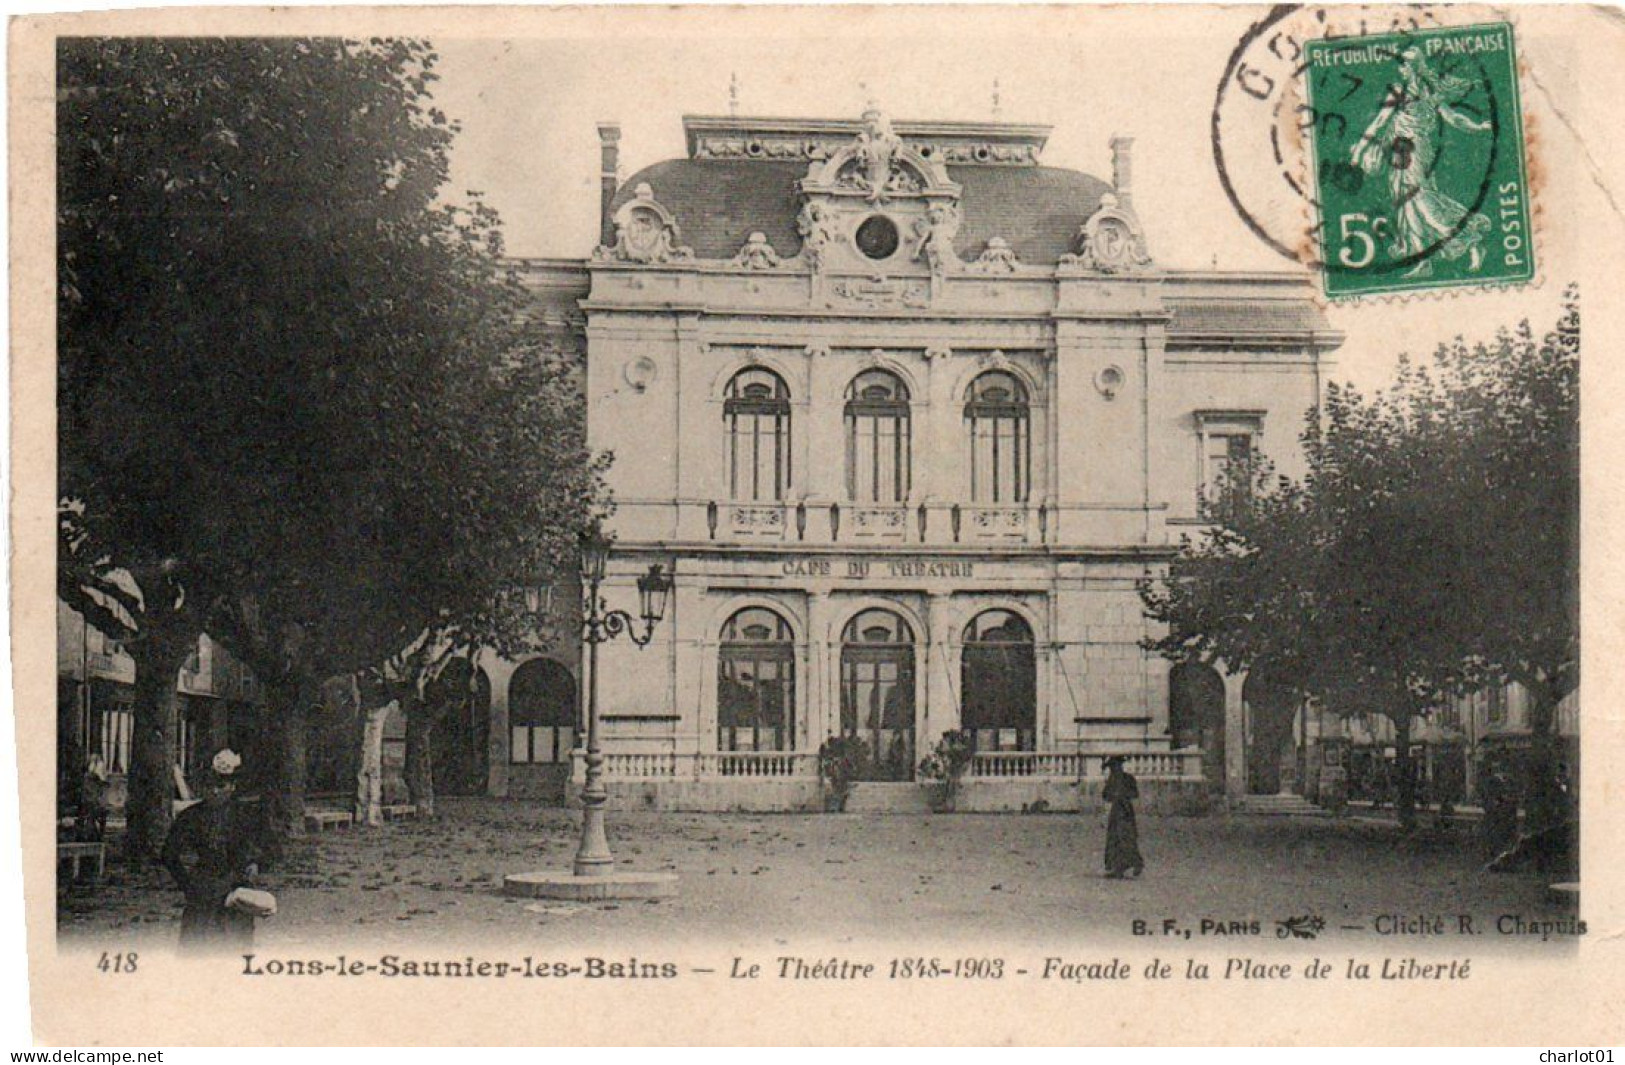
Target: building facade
<point>220,706</point>
<point>1451,747</point>
<point>908,414</point>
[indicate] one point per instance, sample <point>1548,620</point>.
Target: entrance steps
<point>1287,805</point>
<point>888,797</point>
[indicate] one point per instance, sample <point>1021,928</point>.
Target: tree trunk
<point>370,778</point>
<point>158,654</point>
<point>420,754</point>
<point>289,703</point>
<point>1546,806</point>
<point>1405,792</point>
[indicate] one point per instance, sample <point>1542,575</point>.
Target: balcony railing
<point>986,765</point>
<point>758,764</point>
<point>932,523</point>
<point>671,765</point>
<point>757,520</point>
<point>1150,765</point>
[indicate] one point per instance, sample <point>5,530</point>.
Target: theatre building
<point>908,414</point>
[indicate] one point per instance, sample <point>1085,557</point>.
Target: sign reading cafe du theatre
<point>863,568</point>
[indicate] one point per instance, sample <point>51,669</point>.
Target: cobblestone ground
<point>838,878</point>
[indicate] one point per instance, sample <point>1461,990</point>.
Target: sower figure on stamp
<point>1122,833</point>
<point>1404,138</point>
<point>213,854</point>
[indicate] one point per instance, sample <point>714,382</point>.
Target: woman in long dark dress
<point>213,849</point>
<point>1122,834</point>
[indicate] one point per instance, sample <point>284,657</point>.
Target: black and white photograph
<point>1005,505</point>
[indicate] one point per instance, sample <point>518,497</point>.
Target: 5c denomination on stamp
<point>1417,155</point>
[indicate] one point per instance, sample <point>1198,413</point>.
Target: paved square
<point>744,877</point>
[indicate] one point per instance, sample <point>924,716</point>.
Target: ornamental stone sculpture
<point>817,231</point>
<point>757,254</point>
<point>934,234</point>
<point>997,258</point>
<point>645,232</point>
<point>1111,241</point>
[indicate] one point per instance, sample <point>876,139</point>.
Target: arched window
<point>998,677</point>
<point>877,691</point>
<point>757,415</point>
<point>541,712</point>
<point>997,416</point>
<point>1195,704</point>
<point>878,454</point>
<point>756,683</point>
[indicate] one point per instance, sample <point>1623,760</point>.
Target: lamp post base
<point>550,885</point>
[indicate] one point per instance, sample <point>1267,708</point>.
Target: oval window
<point>877,237</point>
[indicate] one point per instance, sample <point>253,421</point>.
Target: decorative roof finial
<point>733,94</point>
<point>997,102</point>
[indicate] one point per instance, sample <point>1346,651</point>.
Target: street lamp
<point>593,875</point>
<point>598,624</point>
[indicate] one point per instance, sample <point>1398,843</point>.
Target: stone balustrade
<point>987,765</point>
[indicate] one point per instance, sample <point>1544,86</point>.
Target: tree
<point>1429,549</point>
<point>1514,404</point>
<point>290,374</point>
<point>147,610</point>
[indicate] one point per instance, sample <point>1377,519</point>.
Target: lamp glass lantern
<point>653,589</point>
<point>594,556</point>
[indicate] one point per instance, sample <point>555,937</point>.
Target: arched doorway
<point>1196,714</point>
<point>459,700</point>
<point>756,683</point>
<point>1271,707</point>
<point>877,691</point>
<point>998,683</point>
<point>542,713</point>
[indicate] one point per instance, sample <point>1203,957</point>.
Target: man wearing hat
<point>212,852</point>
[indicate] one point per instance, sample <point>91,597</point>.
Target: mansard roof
<point>720,202</point>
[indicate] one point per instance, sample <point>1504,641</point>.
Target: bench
<point>74,853</point>
<point>400,811</point>
<point>321,820</point>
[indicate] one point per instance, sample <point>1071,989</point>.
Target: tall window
<point>1229,445</point>
<point>998,677</point>
<point>757,416</point>
<point>1226,452</point>
<point>996,412</point>
<point>878,454</point>
<point>756,683</point>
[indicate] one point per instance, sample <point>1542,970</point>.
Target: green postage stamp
<point>1418,160</point>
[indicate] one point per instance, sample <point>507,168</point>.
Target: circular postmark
<point>1372,143</point>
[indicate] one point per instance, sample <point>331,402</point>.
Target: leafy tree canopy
<point>1430,548</point>
<point>289,369</point>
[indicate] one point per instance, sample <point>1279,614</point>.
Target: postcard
<point>819,525</point>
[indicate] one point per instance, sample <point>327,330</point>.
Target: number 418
<point>117,963</point>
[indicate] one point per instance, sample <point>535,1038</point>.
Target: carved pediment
<point>1110,242</point>
<point>879,166</point>
<point>645,232</point>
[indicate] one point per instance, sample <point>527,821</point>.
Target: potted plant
<point>945,766</point>
<point>841,761</point>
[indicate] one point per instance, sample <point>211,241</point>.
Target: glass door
<point>877,692</point>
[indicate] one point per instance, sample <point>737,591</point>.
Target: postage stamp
<point>1418,161</point>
